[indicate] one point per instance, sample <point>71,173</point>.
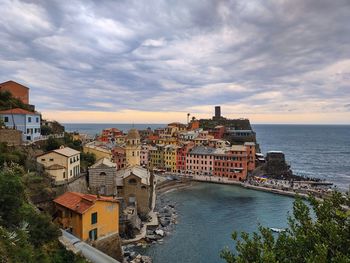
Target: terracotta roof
<point>79,202</point>
<point>18,111</point>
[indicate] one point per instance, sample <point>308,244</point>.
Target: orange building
<point>251,151</point>
<point>17,90</point>
<point>87,216</point>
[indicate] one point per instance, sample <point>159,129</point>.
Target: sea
<point>209,213</point>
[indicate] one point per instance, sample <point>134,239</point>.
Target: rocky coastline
<point>167,218</point>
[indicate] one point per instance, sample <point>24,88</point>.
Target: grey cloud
<point>161,55</point>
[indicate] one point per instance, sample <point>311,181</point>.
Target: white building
<point>62,164</point>
<point>26,121</point>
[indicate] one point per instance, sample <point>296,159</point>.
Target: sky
<point>272,61</point>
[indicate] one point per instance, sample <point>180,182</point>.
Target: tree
<point>45,130</point>
<point>52,144</point>
<point>322,238</point>
<point>11,196</point>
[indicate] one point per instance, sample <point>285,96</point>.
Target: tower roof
<point>133,134</point>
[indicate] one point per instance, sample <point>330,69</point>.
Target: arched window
<point>133,153</point>
<point>132,181</point>
<point>102,174</point>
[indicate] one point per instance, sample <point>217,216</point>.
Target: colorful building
<point>156,156</point>
<point>133,148</point>
<point>25,121</point>
<point>111,135</point>
<point>119,157</point>
<point>17,90</point>
<point>181,154</point>
<point>144,155</point>
<point>62,164</point>
<point>231,162</point>
<point>200,160</point>
<point>170,153</point>
<point>251,155</point>
<point>88,217</point>
<point>100,150</point>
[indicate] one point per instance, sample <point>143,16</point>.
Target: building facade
<point>88,217</point>
<point>62,164</point>
<point>25,121</point>
<point>17,90</point>
<point>102,177</point>
<point>133,148</point>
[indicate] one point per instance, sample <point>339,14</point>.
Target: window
<point>132,181</point>
<point>29,119</point>
<point>94,218</point>
<point>37,119</point>
<point>64,174</point>
<point>43,160</point>
<point>51,159</point>
<point>93,234</point>
<point>6,119</point>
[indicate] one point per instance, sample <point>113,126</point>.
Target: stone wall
<point>78,185</point>
<point>102,180</point>
<point>11,137</point>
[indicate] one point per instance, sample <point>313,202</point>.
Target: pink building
<point>200,161</point>
<point>144,155</point>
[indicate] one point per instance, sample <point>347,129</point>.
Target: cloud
<point>265,57</point>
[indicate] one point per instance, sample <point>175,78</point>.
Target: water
<point>321,151</point>
<point>209,213</point>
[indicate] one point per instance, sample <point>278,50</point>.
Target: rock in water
<point>159,232</point>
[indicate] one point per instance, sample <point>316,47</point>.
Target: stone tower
<point>133,148</point>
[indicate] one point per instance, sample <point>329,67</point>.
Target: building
<point>231,162</point>
<point>156,156</point>
<point>113,135</point>
<point>88,217</point>
<point>200,160</point>
<point>170,152</point>
<point>17,90</point>
<point>62,164</point>
<point>135,185</point>
<point>102,177</point>
<point>251,155</point>
<point>217,112</point>
<point>181,154</point>
<point>25,121</point>
<point>119,157</point>
<point>133,148</point>
<point>144,155</point>
<point>100,150</point>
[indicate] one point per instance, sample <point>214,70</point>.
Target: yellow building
<point>86,216</point>
<point>62,164</point>
<point>100,152</point>
<point>133,148</point>
<point>156,156</point>
<point>170,158</point>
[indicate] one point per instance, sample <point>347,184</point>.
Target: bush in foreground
<point>324,237</point>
